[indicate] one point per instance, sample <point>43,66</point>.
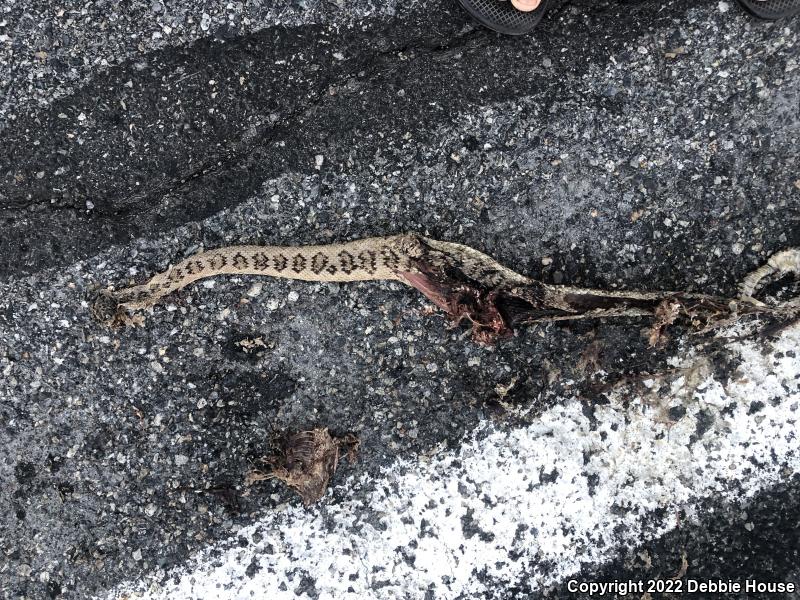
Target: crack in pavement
<point>127,182</point>
<point>270,134</point>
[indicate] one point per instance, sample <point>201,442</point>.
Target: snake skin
<point>406,258</point>
<point>361,260</point>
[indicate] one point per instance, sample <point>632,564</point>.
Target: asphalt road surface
<point>623,145</point>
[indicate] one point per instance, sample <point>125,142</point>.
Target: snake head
<point>106,309</point>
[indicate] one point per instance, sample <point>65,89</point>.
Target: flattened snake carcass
<point>460,280</point>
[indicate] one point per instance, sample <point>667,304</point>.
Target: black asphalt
<point>631,145</point>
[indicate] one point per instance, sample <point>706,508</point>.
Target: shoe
<point>771,9</point>
<point>502,17</point>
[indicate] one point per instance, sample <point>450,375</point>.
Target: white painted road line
<point>559,493</point>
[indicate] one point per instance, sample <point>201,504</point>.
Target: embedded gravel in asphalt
<point>623,145</point>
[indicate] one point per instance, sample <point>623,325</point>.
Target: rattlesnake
<point>464,282</point>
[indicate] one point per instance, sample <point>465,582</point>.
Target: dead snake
<point>462,281</point>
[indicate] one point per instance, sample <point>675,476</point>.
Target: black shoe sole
<point>502,17</point>
<point>771,10</point>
